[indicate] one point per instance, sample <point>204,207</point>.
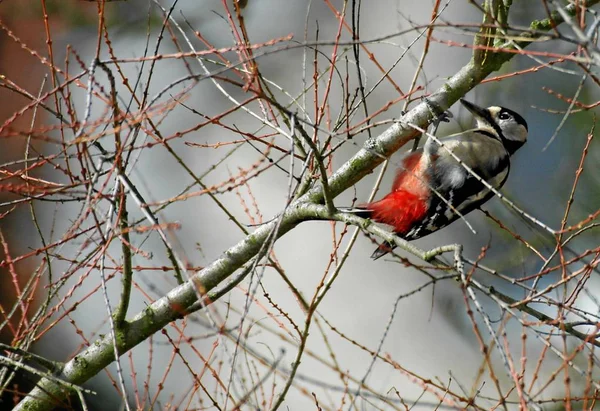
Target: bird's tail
<point>363,212</point>
<point>359,211</point>
<point>382,250</point>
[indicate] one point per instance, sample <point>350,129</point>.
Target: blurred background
<point>428,334</point>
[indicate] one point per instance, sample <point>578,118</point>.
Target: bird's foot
<point>439,115</point>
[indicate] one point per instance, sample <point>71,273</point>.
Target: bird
<point>432,189</point>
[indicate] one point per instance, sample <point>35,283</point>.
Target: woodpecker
<point>432,189</point>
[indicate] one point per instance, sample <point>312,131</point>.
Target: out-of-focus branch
<point>177,302</point>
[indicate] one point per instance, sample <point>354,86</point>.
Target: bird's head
<point>508,125</point>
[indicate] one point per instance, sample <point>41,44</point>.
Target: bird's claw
<point>438,114</point>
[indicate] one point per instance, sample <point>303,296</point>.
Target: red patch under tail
<point>400,209</point>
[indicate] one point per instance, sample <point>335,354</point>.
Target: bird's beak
<point>476,110</point>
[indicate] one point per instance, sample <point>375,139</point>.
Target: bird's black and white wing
<point>457,190</point>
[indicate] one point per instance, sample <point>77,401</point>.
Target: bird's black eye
<point>504,116</point>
